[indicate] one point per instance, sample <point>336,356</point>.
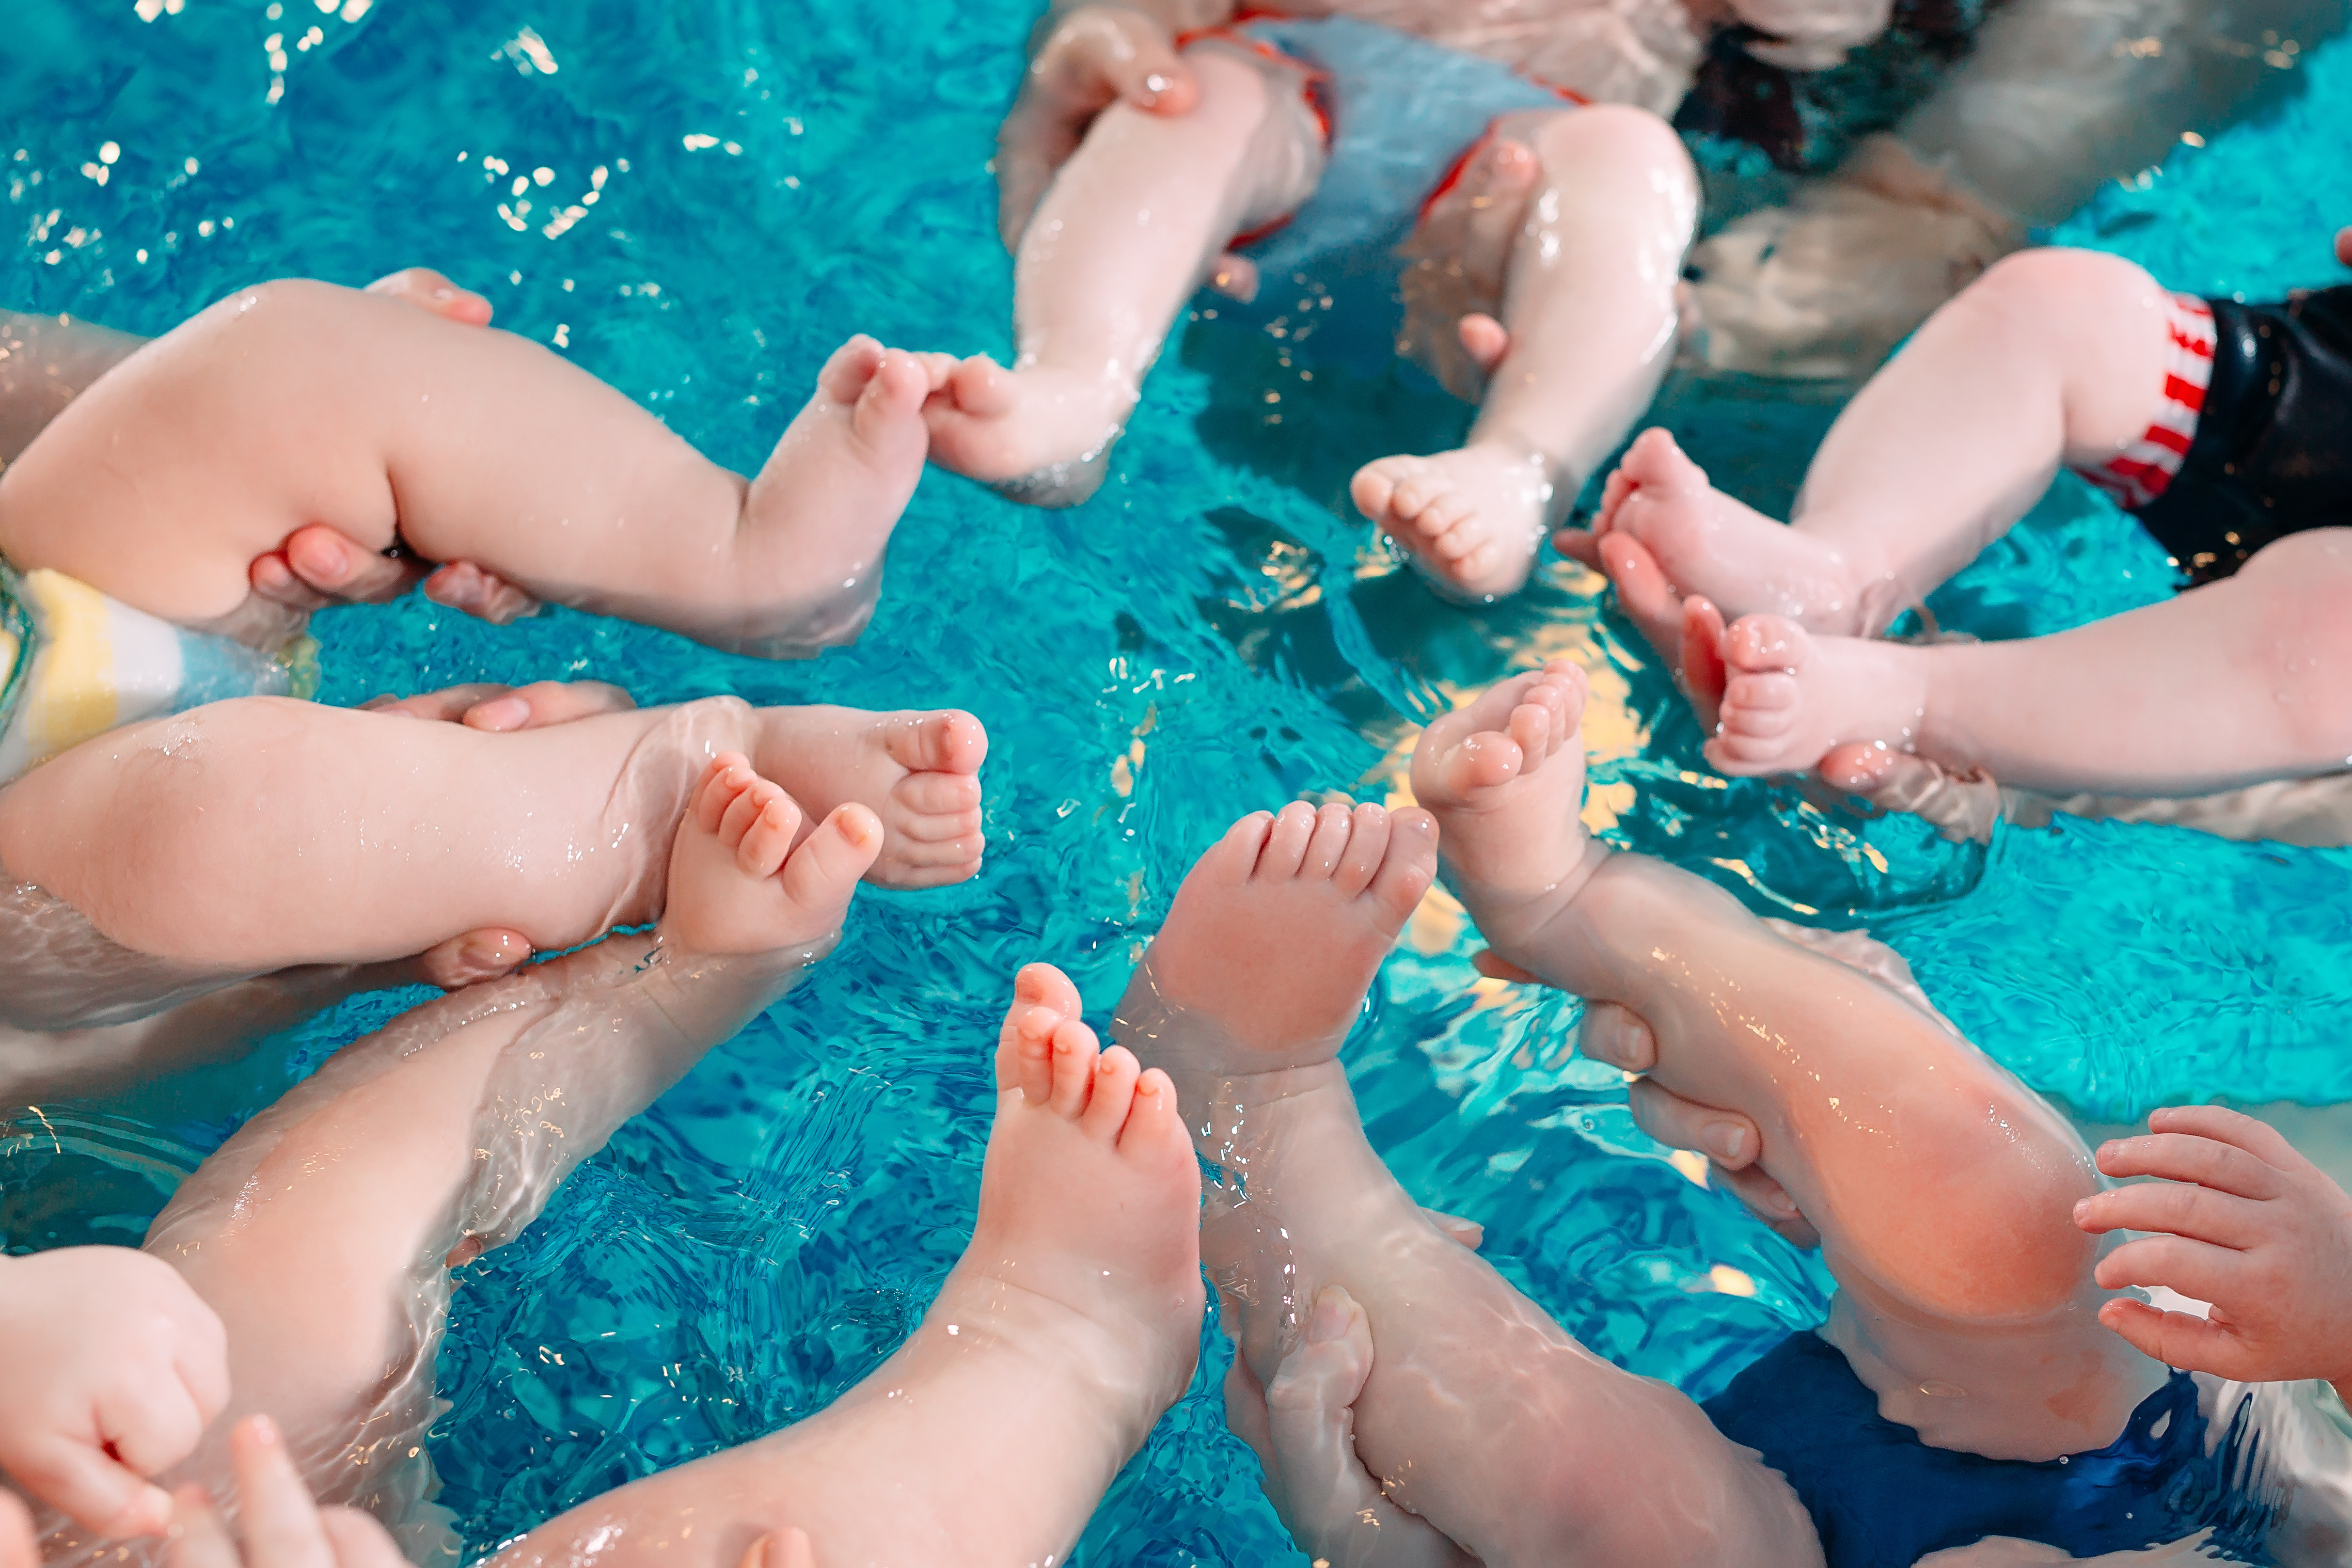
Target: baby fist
<point>114,1369</point>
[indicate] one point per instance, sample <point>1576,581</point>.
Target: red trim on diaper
<point>2138,475</point>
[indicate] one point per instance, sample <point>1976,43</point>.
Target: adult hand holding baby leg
<point>1095,57</point>
<point>282,1526</point>
<point>114,1369</point>
<point>2242,1221</point>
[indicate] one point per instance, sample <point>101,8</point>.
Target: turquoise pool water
<point>1213,633</point>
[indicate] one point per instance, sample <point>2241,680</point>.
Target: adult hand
<point>1302,1426</point>
<point>283,1527</point>
<point>114,1368</point>
<point>2242,1221</point>
<point>1095,57</point>
<point>318,566</point>
<point>488,705</point>
<point>786,1548</point>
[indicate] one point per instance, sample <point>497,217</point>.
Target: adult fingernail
<point>499,714</point>
<point>1328,1320</point>
<point>1726,1141</point>
<point>1155,84</point>
<point>484,952</point>
<point>2082,1208</point>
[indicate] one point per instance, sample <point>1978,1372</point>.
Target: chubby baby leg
<point>1129,230</point>
<point>1478,1414</point>
<point>261,834</point>
<point>1586,332</point>
<point>323,1232</point>
<point>1071,1323</point>
<point>1866,1106</point>
<point>209,447</point>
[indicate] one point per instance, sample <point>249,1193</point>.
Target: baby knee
<point>2050,282</point>
<point>1625,136</point>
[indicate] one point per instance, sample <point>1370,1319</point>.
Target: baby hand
<point>114,1368</point>
<point>1096,55</point>
<point>2243,1222</point>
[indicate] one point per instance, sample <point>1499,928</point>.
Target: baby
<point>174,860</point>
<point>1073,1321</point>
<point>2219,424</point>
<point>1416,1408</point>
<point>1520,148</point>
<point>393,417</point>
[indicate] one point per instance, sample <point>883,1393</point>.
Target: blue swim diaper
<point>1401,113</point>
<point>1882,1498</point>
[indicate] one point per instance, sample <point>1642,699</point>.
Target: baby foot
<point>1707,543</point>
<point>1504,777</point>
<point>1089,1200</point>
<point>1470,520</point>
<point>1790,698</point>
<point>1034,434</point>
<point>1278,930</point>
<point>917,772</point>
<point>831,493</point>
<point>738,880</point>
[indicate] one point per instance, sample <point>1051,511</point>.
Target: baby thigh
<point>263,832</point>
<point>205,448</point>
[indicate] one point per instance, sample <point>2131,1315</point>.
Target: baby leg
<point>1130,229</point>
<point>1588,310</point>
<point>2052,356</point>
<point>1867,1107</point>
<point>323,1232</point>
<point>2227,684</point>
<point>294,403</point>
<point>261,834</point>
<point>1479,1413</point>
<point>1072,1322</point>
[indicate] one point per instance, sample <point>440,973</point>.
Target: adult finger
<point>430,290</point>
<point>1494,968</point>
<point>2178,1339</point>
<point>448,706</point>
<point>358,1541</point>
<point>93,1490</point>
<point>1728,1138</point>
<point>2183,1156</point>
<point>19,1547</point>
<point>1769,1201</point>
<point>1618,1036</point>
<point>463,586</point>
<point>1649,601</point>
<point>474,957</point>
<point>278,1516</point>
<point>344,571</point>
<point>2221,1125</point>
<point>199,1539</point>
<point>2198,1270</point>
<point>2174,1208</point>
<point>273,579</point>
<point>2344,245</point>
<point>1245,1413</point>
<point>543,703</point>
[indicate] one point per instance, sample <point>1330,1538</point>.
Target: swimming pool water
<point>1212,634</point>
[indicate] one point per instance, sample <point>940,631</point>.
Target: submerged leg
<point>1588,308</point>
<point>1130,229</point>
<point>323,1232</point>
<point>2052,356</point>
<point>1479,1415</point>
<point>1071,1323</point>
<point>1866,1106</point>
